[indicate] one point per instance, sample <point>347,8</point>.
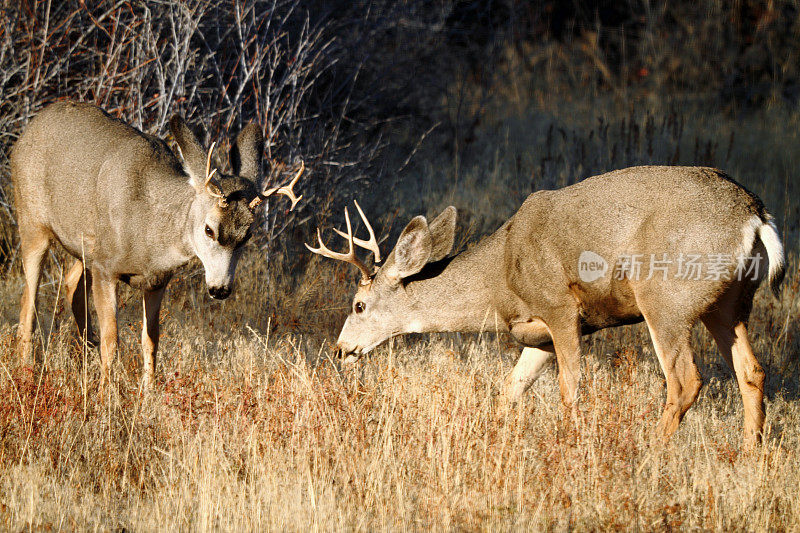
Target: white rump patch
<point>749,232</point>
<point>767,233</point>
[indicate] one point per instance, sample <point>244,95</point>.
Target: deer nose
<point>348,353</point>
<point>219,293</point>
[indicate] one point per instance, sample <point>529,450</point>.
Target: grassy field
<point>253,425</point>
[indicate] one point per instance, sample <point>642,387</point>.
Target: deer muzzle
<point>348,354</point>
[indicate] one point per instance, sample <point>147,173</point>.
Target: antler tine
<point>349,257</point>
<point>287,190</point>
<point>372,243</point>
<point>210,173</point>
<point>212,188</point>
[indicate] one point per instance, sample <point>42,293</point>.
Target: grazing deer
<point>130,210</point>
<point>553,273</point>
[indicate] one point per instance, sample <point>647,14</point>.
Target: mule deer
<point>565,266</point>
<point>128,209</point>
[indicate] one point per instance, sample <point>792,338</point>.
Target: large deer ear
<point>246,153</point>
<point>190,151</point>
<point>443,234</point>
<point>412,251</point>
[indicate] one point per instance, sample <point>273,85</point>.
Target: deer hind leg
<point>79,285</point>
<point>529,367</point>
<point>150,330</point>
<point>673,347</point>
<point>567,344</point>
<point>33,245</point>
<point>750,377</point>
<point>730,335</point>
<point>105,302</point>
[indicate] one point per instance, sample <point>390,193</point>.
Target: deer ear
<point>246,153</point>
<point>412,251</point>
<point>443,234</point>
<point>190,151</point>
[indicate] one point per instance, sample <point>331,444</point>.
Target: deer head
<point>382,306</point>
<point>223,210</point>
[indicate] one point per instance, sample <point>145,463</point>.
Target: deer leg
<point>731,338</point>
<point>150,330</point>
<point>750,377</point>
<point>674,350</point>
<point>79,284</point>
<point>105,302</point>
<point>567,344</point>
<point>529,367</point>
<point>33,244</point>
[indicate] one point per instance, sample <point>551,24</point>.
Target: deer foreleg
<point>150,330</point>
<point>105,302</point>
<point>531,364</point>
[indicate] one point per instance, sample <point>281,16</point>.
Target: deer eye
<point>209,232</point>
<point>360,307</point>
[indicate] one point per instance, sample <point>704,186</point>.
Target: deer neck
<point>176,217</point>
<point>459,294</point>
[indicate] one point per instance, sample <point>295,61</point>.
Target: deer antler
<point>211,186</point>
<point>350,256</point>
<point>372,243</point>
<point>286,190</point>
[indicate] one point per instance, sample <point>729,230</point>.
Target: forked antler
<point>286,190</point>
<point>372,243</point>
<point>350,256</point>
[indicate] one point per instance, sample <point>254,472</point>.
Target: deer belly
<point>77,244</point>
<point>532,333</point>
<point>607,313</point>
<point>147,282</point>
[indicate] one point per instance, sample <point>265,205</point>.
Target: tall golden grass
<point>249,430</point>
<point>254,425</point>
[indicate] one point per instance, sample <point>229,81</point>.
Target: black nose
<point>219,293</point>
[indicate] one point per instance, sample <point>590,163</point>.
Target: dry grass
<point>253,426</point>
<point>250,430</point>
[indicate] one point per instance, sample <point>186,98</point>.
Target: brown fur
<point>524,279</point>
<point>128,209</point>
